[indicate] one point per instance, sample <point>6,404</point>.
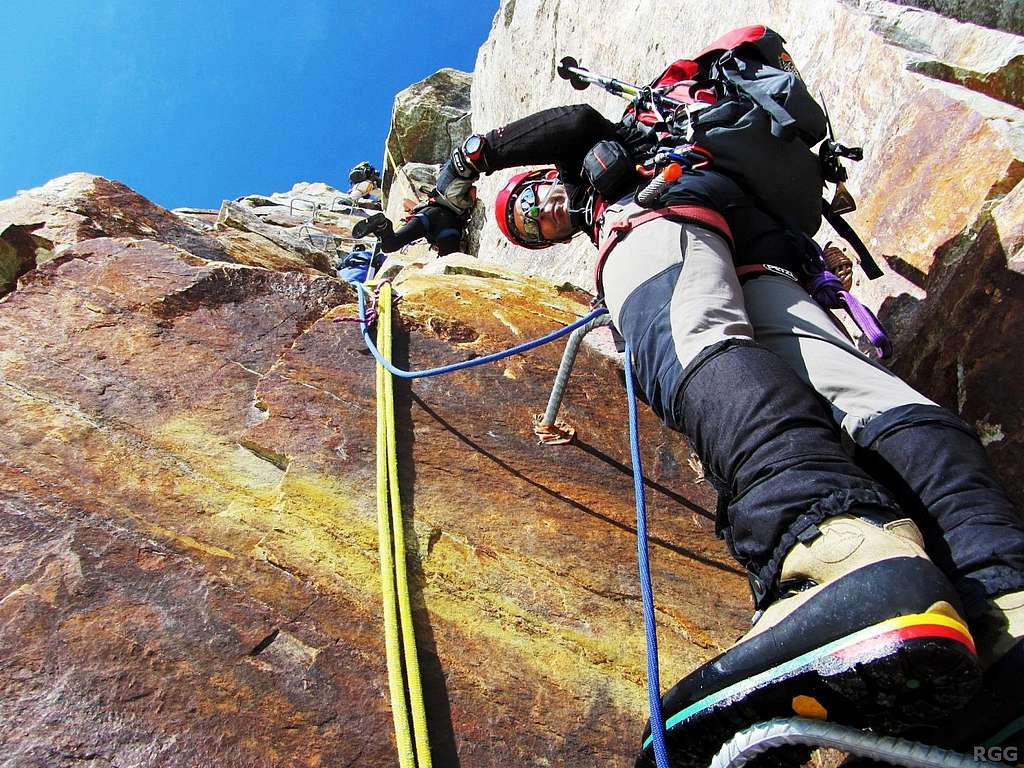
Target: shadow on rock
<point>435,686</point>
<point>958,347</point>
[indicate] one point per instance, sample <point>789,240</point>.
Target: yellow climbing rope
<point>399,635</point>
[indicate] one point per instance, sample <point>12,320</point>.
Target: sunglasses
<point>528,203</point>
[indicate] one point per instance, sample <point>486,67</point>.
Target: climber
<point>355,265</point>
<point>859,609</point>
<point>365,181</point>
<point>436,219</point>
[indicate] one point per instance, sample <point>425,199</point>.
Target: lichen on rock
<point>188,552</point>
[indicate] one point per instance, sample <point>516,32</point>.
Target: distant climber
<point>354,266</point>
<point>858,616</point>
<point>365,181</point>
<point>437,220</point>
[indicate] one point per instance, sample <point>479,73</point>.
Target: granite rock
<point>1007,15</point>
<point>20,251</point>
<point>188,554</point>
<point>312,246</point>
<point>429,118</point>
<point>81,206</point>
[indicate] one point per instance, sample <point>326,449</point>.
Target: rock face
<point>282,239</point>
<point>188,553</point>
<point>188,557</point>
<point>305,196</point>
<point>935,102</point>
<point>1007,15</point>
<point>412,183</point>
<point>20,251</point>
<point>304,230</point>
<point>81,206</point>
<point>429,119</point>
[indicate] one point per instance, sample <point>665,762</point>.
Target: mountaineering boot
<point>939,470</point>
<point>863,632</point>
<point>377,224</point>
<point>995,717</point>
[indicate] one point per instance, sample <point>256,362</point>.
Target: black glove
<point>459,195</point>
<point>448,175</point>
<point>377,224</point>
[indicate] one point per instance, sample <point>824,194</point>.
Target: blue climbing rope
<point>647,594</point>
<point>365,329</point>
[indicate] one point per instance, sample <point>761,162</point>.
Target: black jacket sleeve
<point>561,136</point>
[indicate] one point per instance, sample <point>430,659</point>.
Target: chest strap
<point>686,214</point>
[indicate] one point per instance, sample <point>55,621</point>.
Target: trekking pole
<point>582,78</point>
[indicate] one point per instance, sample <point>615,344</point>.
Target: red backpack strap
<point>735,39</point>
<point>687,214</point>
<point>674,82</point>
<point>678,71</point>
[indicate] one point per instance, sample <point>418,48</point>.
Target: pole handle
<point>570,69</point>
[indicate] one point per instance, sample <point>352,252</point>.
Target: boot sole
<point>889,677</point>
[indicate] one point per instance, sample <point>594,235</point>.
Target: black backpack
<point>364,171</point>
<point>759,124</point>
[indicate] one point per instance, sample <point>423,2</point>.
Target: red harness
<point>689,214</point>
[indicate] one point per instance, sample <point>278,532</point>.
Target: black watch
<point>473,152</point>
<point>473,147</point>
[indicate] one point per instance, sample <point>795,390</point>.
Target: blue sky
<point>192,102</point>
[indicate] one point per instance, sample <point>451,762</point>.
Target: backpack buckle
<point>842,200</point>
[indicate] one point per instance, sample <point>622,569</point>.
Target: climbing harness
<point>400,638</point>
<point>421,213</point>
<point>823,285</point>
<point>694,214</point>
